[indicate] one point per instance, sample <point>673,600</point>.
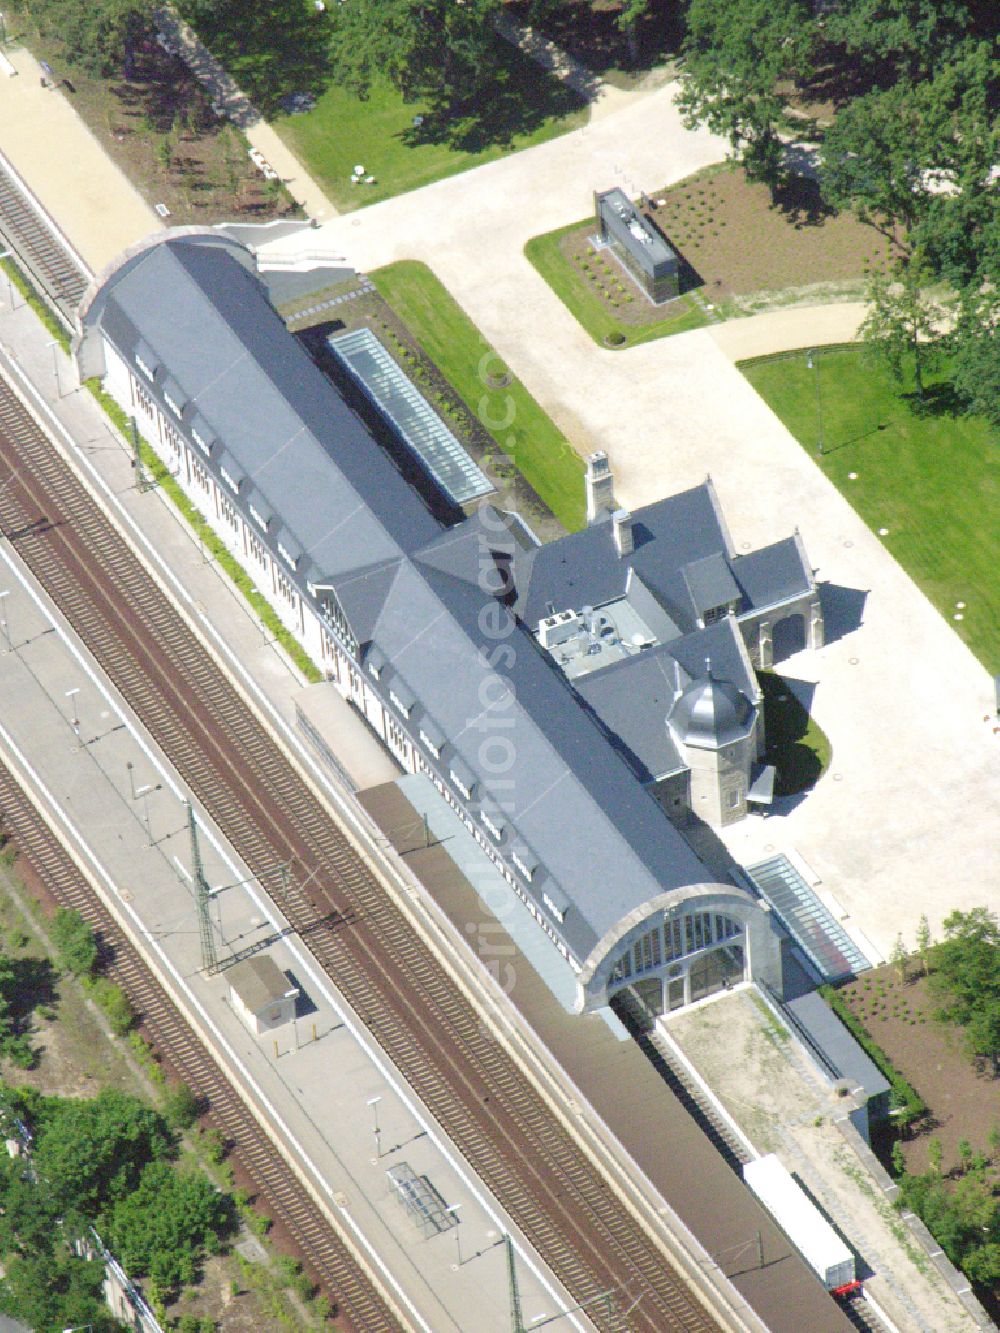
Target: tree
<point>873,157</point>
<point>97,33</point>
<point>91,1152</point>
<point>734,56</point>
<point>975,349</point>
<point>935,1152</point>
<point>182,1107</point>
<point>56,1290</point>
<point>923,940</point>
<point>27,1214</point>
<point>967,977</point>
<point>898,959</point>
<point>912,35</point>
<point>433,50</point>
<point>75,945</point>
<point>902,323</point>
<point>162,1228</point>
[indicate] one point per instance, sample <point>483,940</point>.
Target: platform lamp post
<point>54,344</point>
<point>9,254</point>
<point>373,1103</point>
<point>452,1210</point>
<point>71,696</point>
<point>813,365</point>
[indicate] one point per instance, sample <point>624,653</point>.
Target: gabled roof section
<point>775,573</point>
<point>585,569</point>
<point>710,583</point>
<point>208,319</point>
<point>633,698</point>
<point>567,792</point>
<point>362,595</point>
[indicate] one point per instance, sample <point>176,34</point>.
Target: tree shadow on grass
<point>520,100</point>
<point>34,986</point>
<point>272,51</point>
<point>937,400</point>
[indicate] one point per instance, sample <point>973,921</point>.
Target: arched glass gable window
<point>679,936</point>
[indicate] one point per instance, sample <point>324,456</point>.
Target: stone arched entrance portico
<point>682,946</point>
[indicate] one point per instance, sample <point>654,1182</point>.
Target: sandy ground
<point>773,1092</point>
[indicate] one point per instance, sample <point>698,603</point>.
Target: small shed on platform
<point>261,994</point>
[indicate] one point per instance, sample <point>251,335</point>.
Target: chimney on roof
<point>621,526</point>
<point>600,487</point>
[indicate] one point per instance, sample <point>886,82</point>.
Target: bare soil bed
<point>156,123</point>
<point>964,1101</point>
<point>737,239</point>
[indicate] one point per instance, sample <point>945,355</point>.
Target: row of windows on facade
<point>674,939</point>
<point>200,476</point>
<point>198,472</point>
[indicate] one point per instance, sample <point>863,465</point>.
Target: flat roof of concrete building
<point>259,981</point>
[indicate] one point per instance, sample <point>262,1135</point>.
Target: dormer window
<point>433,746</point>
<point>463,779</point>
<point>714,614</point>
<point>524,862</point>
<point>495,828</point>
<point>400,696</point>
<point>376,663</point>
<point>205,447</point>
<point>287,555</point>
<point>144,366</point>
<point>556,902</point>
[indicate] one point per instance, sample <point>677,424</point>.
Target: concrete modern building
<point>638,244</point>
<point>261,993</point>
<point>560,698</point>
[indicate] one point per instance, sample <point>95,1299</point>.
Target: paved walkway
<point>97,207</point>
<point>780,330</point>
<point>234,103</point>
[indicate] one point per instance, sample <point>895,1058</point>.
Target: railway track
<point>360,1308</point>
<point>565,1206</point>
<point>39,249</point>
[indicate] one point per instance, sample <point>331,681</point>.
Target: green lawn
<point>588,308</point>
<point>344,131</point>
<point>522,430</point>
<point>931,477</point>
<point>795,744</point>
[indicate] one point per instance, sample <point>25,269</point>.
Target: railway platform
<point>67,169</point>
<point>350,1127</point>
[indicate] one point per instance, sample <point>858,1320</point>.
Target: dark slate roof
<point>633,698</point>
<point>710,583</point>
<point>568,793</point>
<point>774,573</point>
<point>281,421</point>
<point>837,1044</point>
<point>585,569</point>
<point>429,598</point>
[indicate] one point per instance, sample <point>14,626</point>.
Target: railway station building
<point>578,704</point>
